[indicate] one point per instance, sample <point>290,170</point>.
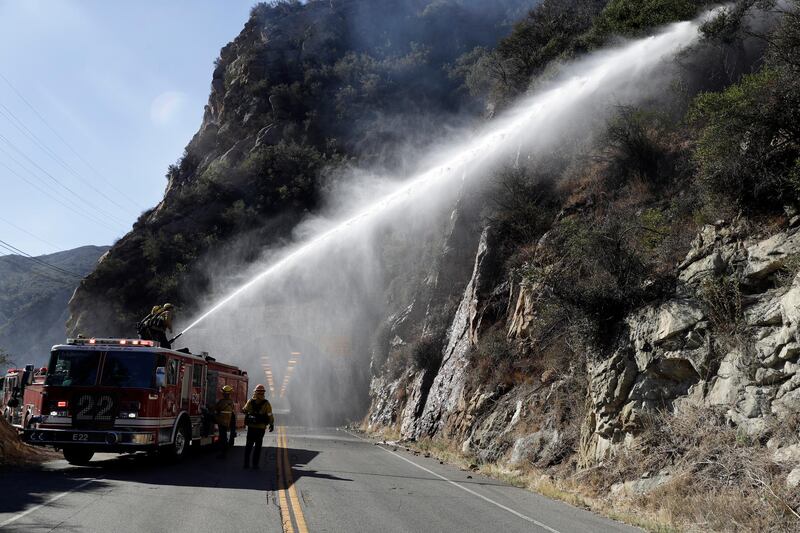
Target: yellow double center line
<point>287,494</point>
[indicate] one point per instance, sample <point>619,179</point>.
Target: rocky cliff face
<point>305,88</point>
<point>726,337</point>
<point>627,346</point>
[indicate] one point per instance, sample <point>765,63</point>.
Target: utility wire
<point>44,275</point>
<point>84,213</point>
<point>12,254</point>
<point>29,234</point>
<point>17,123</point>
<point>41,262</point>
<point>38,261</point>
<point>57,182</point>
<point>60,138</point>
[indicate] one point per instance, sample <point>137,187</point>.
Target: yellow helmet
<point>227,389</point>
<point>167,307</point>
<point>155,309</point>
<point>260,389</point>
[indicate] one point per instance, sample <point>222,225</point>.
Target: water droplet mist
<point>304,317</point>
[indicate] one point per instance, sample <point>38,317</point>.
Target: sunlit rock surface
<point>671,353</point>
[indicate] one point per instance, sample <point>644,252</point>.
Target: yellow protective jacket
<point>223,412</point>
<point>261,409</point>
<point>163,320</point>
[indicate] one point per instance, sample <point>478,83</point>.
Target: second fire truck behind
<point>125,395</point>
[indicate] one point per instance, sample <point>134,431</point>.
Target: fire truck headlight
<point>141,438</point>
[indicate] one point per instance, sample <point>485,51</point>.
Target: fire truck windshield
<point>129,369</point>
<point>73,368</point>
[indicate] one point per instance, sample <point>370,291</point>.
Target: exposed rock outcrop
<point>745,362</point>
<point>447,389</point>
<point>690,348</point>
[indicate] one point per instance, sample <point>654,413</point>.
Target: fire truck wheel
<point>180,444</point>
<point>78,456</point>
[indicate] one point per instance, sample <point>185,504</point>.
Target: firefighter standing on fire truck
<point>143,327</point>
<point>258,415</point>
<point>223,412</point>
<point>160,323</point>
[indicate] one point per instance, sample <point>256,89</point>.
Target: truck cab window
<point>128,369</point>
<point>73,368</point>
<point>211,387</point>
<point>172,372</point>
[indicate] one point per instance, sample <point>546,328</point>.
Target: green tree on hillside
<point>748,149</point>
<point>632,17</point>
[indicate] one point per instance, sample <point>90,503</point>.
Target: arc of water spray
<point>629,60</point>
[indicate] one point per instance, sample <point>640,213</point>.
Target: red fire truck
<point>22,395</point>
<point>126,395</point>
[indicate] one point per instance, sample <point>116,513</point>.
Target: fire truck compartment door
<point>185,385</point>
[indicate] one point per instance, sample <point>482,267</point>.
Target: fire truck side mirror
<point>161,376</point>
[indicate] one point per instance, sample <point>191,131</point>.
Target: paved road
<point>311,480</point>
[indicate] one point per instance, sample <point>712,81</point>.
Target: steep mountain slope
<point>304,88</point>
<point>619,314</point>
<point>628,327</point>
<point>33,300</point>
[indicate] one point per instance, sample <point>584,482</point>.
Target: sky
<point>97,99</point>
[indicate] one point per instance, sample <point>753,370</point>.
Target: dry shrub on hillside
<point>564,405</point>
<point>722,299</point>
<point>13,452</point>
<point>720,479</point>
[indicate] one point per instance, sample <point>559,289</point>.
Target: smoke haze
<point>310,309</point>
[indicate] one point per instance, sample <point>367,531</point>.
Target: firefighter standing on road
<point>258,415</point>
<point>223,412</point>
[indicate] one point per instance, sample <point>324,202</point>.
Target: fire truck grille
<point>95,410</point>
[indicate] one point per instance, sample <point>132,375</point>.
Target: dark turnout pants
<point>255,438</point>
<point>222,443</point>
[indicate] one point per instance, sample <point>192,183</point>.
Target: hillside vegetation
<point>33,301</point>
<point>613,322</point>
<point>618,353</point>
<point>305,88</point>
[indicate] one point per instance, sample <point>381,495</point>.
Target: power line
<point>32,270</point>
<point>17,123</point>
<point>59,137</point>
<point>38,261</point>
<point>29,234</point>
<point>86,214</point>
<point>43,263</point>
<point>57,182</point>
<point>11,253</point>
